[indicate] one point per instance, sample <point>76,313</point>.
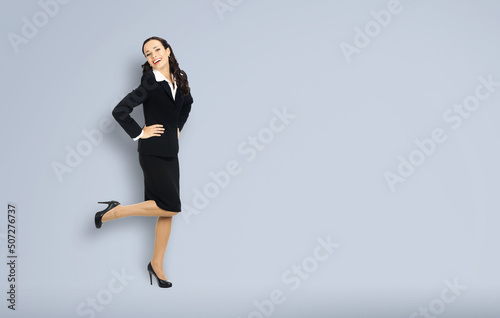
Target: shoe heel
<point>150,278</point>
<point>106,202</point>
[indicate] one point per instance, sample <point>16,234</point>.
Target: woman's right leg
<point>162,233</point>
<point>146,208</point>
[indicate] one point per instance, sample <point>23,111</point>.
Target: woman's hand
<point>178,132</point>
<point>152,131</point>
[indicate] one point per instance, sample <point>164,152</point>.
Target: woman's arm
<point>184,112</point>
<point>122,111</point>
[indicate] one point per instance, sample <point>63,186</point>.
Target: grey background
<point>323,175</point>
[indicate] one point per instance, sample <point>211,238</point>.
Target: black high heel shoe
<point>161,283</point>
<point>99,215</point>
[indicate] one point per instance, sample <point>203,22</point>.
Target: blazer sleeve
<point>184,112</point>
<point>122,111</point>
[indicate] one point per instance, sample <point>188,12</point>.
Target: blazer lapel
<point>166,87</point>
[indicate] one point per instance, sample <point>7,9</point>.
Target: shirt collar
<point>160,77</point>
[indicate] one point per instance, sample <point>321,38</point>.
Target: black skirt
<point>161,181</point>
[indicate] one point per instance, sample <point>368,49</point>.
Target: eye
<point>157,49</point>
<point>148,54</point>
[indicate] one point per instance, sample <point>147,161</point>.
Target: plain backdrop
<point>340,159</point>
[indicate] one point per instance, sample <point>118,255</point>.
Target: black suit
<point>159,108</point>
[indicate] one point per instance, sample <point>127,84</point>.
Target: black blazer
<point>159,108</point>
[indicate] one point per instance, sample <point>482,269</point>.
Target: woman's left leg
<point>162,234</point>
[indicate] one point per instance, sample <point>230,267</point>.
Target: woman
<point>165,94</point>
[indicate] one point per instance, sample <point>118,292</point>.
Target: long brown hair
<point>180,76</point>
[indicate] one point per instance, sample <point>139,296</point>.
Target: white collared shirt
<point>160,77</point>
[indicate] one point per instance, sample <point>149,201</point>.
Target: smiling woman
<point>159,54</point>
<point>165,94</point>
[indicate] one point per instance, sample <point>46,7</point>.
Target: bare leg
<point>146,208</point>
<point>162,233</point>
<point>162,230</point>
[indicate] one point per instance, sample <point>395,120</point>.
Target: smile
<point>157,60</point>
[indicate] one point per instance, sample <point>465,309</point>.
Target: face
<point>156,54</point>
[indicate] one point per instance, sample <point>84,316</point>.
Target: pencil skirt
<point>161,181</point>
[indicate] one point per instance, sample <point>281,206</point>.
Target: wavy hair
<point>179,75</point>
